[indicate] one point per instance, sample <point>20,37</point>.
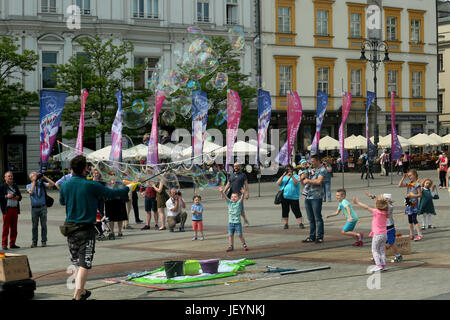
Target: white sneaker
<point>202,238</point>
<point>376,269</point>
<point>194,238</point>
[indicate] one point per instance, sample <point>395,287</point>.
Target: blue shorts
<point>390,236</point>
<point>150,204</point>
<point>234,227</point>
<point>349,226</point>
<point>411,210</point>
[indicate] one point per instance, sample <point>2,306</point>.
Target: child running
<point>197,217</point>
<point>379,232</point>
<point>346,207</point>
<point>234,217</point>
<point>414,192</point>
<point>426,206</point>
<point>390,226</point>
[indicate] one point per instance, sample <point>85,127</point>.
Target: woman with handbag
<point>161,199</point>
<point>290,186</point>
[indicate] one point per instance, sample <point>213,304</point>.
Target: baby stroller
<point>101,226</point>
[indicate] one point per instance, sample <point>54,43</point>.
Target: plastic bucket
<point>173,268</point>
<point>191,267</point>
<point>209,266</point>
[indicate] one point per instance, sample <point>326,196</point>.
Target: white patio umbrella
<point>446,139</point>
<point>423,140</point>
<point>242,147</point>
<point>69,154</point>
<point>101,154</point>
<point>385,142</point>
<point>140,152</point>
<point>327,143</point>
<point>437,137</point>
<point>208,147</point>
<point>358,142</point>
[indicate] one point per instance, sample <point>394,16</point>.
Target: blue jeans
<point>326,190</point>
<point>314,212</point>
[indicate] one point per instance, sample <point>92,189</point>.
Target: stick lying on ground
<point>304,270</point>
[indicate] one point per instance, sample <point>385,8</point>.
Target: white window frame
<point>85,7</point>
<point>392,82</point>
<point>150,67</point>
<point>355,82</point>
<point>284,20</point>
<point>323,79</point>
<point>231,6</point>
<point>285,79</point>
<point>415,30</point>
<point>322,22</point>
<point>416,79</point>
<point>48,6</point>
<point>355,25</point>
<point>146,9</point>
<point>202,17</point>
<point>391,28</point>
<point>47,65</point>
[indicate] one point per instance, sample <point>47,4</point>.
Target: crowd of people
<point>94,207</point>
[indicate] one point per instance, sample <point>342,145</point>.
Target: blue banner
<point>371,149</point>
<point>116,132</point>
<point>322,102</point>
<point>199,120</point>
<point>264,114</point>
<point>51,107</point>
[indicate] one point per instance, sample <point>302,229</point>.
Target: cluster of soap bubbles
<point>177,84</point>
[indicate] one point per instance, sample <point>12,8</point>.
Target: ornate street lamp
<point>375,48</point>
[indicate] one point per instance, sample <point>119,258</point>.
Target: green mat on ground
<point>227,268</point>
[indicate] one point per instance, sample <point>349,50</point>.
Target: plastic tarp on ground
<point>227,268</point>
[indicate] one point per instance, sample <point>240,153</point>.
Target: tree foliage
<point>101,70</point>
<point>15,101</point>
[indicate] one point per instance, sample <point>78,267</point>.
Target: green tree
<point>15,101</point>
<point>101,70</point>
<point>229,64</point>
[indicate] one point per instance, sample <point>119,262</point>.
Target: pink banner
<point>152,155</point>
<point>346,104</point>
<point>294,118</point>
<point>79,145</point>
<point>234,117</point>
<point>396,147</point>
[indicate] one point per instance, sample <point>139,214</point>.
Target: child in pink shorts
<point>197,217</point>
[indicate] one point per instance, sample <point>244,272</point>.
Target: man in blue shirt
<point>37,189</point>
<point>313,202</point>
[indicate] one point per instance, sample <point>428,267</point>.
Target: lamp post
<point>375,48</point>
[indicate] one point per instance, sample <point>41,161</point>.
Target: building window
<point>146,73</point>
<point>355,25</point>
<point>355,82</point>
<point>48,6</point>
<point>146,9</point>
<point>232,12</point>
<point>322,23</point>
<point>441,62</point>
<point>392,77</point>
<point>48,60</point>
<point>89,138</point>
<point>85,6</point>
<point>391,28</point>
<point>285,80</point>
<point>203,10</point>
<point>415,30</point>
<point>440,102</point>
<point>323,75</point>
<point>417,84</point>
<point>416,128</point>
<point>284,20</point>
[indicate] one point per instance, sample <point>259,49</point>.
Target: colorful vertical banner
<point>322,102</point>
<point>152,154</point>
<point>294,118</point>
<point>234,117</point>
<point>79,144</point>
<point>371,149</point>
<point>51,107</point>
<point>199,120</point>
<point>116,131</point>
<point>346,104</point>
<point>396,147</point>
<point>264,114</point>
